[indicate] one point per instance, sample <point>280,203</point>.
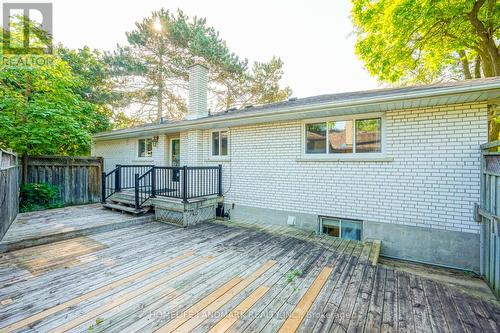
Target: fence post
<point>184,184</point>
<point>118,178</point>
<point>220,180</point>
<point>137,191</point>
<point>103,187</point>
<point>153,182</point>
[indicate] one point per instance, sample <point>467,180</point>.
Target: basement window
<point>341,228</point>
<point>145,147</point>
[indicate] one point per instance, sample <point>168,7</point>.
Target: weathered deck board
<point>129,280</point>
<point>48,222</point>
<point>420,309</point>
<point>179,301</point>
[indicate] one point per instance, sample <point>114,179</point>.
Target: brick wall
<point>433,180</point>
<point>124,151</point>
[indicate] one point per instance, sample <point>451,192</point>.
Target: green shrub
<point>40,196</point>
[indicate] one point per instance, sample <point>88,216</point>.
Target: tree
<point>95,84</point>
<point>420,41</point>
<point>40,113</point>
<point>45,104</point>
<point>151,72</point>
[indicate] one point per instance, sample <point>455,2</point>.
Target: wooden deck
<point>41,227</point>
<point>222,277</point>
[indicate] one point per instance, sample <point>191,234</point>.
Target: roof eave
<point>294,111</point>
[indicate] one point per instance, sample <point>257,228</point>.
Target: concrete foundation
<point>433,246</point>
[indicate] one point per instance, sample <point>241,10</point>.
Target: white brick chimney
<point>198,85</point>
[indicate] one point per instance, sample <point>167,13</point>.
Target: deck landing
<point>44,227</point>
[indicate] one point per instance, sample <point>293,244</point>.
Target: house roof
<point>377,100</point>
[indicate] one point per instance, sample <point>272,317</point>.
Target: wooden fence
<point>9,190</point>
<point>488,213</point>
<point>79,178</point>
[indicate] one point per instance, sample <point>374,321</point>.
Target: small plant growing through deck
<point>292,276</point>
<point>97,322</point>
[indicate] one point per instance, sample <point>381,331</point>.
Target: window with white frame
<point>347,136</point>
<point>342,228</point>
<point>220,141</point>
<point>145,147</point>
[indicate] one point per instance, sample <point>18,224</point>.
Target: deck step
<point>69,234</point>
<point>125,199</point>
<point>124,208</point>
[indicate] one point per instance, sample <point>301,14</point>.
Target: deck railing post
<point>136,191</point>
<point>184,184</point>
<point>220,180</point>
<point>103,187</point>
<point>153,182</point>
<point>118,178</point>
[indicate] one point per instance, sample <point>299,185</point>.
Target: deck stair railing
<point>158,181</point>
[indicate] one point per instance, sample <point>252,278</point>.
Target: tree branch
<point>486,39</point>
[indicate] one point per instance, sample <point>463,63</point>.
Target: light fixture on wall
<point>155,140</point>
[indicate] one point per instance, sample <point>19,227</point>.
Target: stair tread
<point>123,208</point>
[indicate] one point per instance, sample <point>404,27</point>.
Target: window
<point>145,148</point>
<point>316,138</point>
<point>342,228</point>
<point>368,137</point>
<point>220,143</point>
<point>340,137</point>
<point>349,136</point>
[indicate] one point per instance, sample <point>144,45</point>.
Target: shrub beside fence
<point>79,178</point>
<point>9,190</point>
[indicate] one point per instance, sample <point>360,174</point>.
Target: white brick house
<point>399,165</point>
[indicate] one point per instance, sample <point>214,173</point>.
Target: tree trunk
<point>465,65</point>
<point>477,67</point>
<point>493,125</point>
<point>488,44</point>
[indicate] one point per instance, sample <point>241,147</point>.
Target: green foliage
<point>152,70</point>
<point>40,113</point>
<point>52,104</point>
<point>408,41</point>
<point>95,86</point>
<point>97,322</point>
<point>368,125</point>
<point>39,196</point>
<point>293,274</point>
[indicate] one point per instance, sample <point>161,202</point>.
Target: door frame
<point>170,150</point>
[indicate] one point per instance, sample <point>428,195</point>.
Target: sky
<point>314,38</point>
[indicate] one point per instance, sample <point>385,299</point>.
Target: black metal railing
<point>174,182</point>
<point>202,181</point>
<point>108,184</point>
<point>144,187</point>
<point>126,174</point>
<point>169,181</point>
